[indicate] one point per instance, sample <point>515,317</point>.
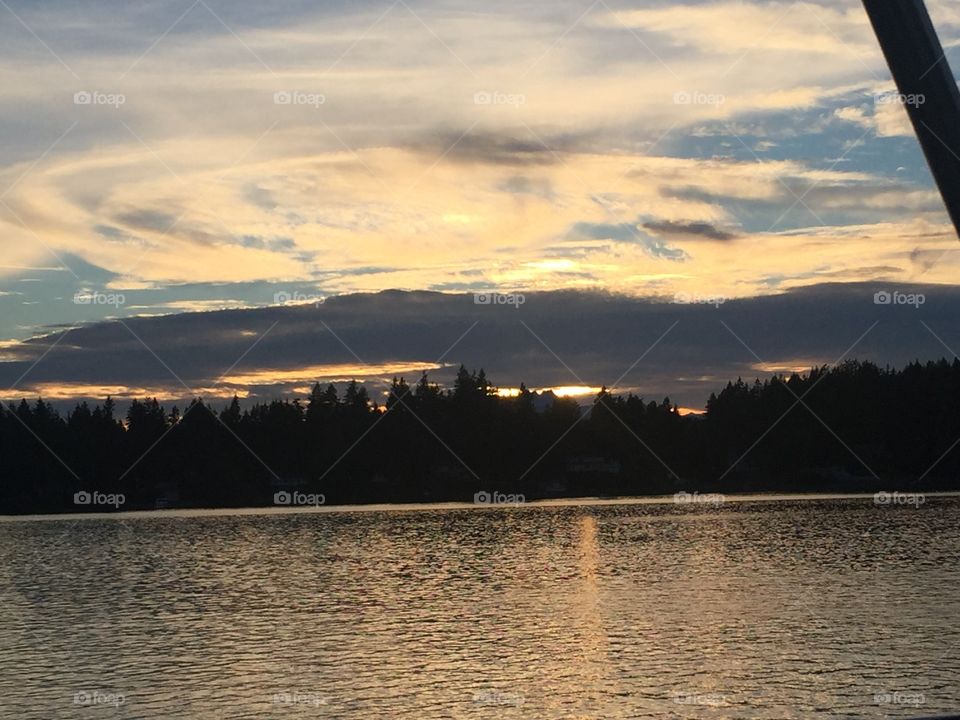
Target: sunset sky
<point>231,151</point>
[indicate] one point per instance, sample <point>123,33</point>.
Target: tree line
<point>850,427</point>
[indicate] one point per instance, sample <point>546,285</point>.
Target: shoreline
<point>456,505</point>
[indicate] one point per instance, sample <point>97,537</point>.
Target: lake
<point>745,608</point>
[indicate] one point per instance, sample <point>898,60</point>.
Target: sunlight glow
<point>562,391</point>
<point>77,391</point>
<point>329,373</point>
<point>572,390</point>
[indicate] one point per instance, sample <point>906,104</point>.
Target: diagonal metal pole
<point>926,85</point>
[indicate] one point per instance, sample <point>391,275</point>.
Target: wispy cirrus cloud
<point>349,148</point>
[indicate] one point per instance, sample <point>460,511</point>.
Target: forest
<point>851,427</point>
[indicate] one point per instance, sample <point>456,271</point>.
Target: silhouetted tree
<point>830,428</point>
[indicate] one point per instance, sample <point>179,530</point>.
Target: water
<point>777,609</point>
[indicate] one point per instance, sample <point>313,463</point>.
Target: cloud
<point>626,233</point>
<point>493,148</point>
<point>597,337</point>
<point>886,119</point>
<point>892,121</point>
<point>690,230</point>
<point>738,28</point>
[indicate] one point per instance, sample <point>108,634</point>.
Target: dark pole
<point>922,74</point>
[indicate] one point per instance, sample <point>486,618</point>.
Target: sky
<point>569,340</point>
<point>163,161</point>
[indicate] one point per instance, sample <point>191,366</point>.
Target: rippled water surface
<point>775,609</point>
